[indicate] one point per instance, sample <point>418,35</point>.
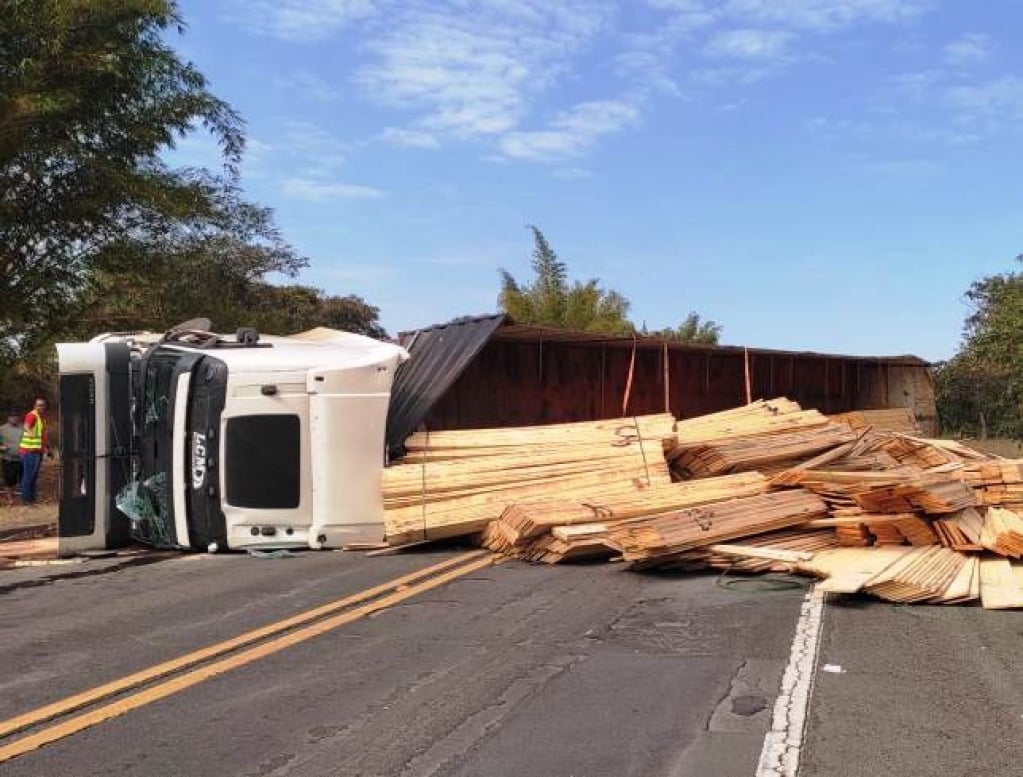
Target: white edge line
<point>783,744</point>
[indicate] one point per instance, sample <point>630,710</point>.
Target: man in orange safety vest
<point>34,443</point>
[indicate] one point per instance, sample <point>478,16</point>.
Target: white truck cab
<point>196,440</point>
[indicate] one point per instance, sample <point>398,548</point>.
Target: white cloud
<point>256,150</point>
<point>648,69</point>
<point>749,44</point>
<point>409,138</point>
<point>946,136</point>
<point>971,49</point>
<point>806,15</point>
<point>573,173</point>
<point>572,132</point>
<point>823,15</point>
<point>311,144</point>
<point>301,20</point>
<point>913,87</point>
<point>992,102</point>
<point>722,76</point>
<point>935,107</point>
<point>308,85</point>
<point>308,158</point>
<point>476,70</point>
<point>765,32</point>
<point>475,74</point>
<point>315,190</point>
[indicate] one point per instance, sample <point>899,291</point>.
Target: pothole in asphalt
<point>748,705</point>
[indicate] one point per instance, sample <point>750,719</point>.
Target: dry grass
<point>44,510</point>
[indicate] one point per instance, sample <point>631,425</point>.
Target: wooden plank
<point>753,551</point>
<point>999,589</point>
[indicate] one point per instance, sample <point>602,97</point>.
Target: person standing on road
<point>10,442</point>
<point>34,442</point>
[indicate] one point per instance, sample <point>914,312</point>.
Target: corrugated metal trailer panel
<point>534,375</point>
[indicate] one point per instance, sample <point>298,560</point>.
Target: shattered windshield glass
<point>145,503</point>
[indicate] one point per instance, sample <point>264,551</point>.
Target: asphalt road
<point>511,670</point>
<point>521,670</point>
<point>922,691</point>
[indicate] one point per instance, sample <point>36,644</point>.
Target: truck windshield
<point>146,500</point>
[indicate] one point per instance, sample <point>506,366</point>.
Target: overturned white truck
<point>196,440</point>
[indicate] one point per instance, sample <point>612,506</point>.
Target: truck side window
<point>262,461</point>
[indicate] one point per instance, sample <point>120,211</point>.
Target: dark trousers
<point>12,472</point>
<point>30,463</point>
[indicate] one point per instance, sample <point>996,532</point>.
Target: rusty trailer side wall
<point>515,382</point>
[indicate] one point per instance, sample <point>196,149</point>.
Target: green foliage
<point>293,309</point>
<point>219,277</point>
<point>692,330</point>
<point>980,390</point>
<point>552,300</point>
<point>97,233</point>
<point>90,94</point>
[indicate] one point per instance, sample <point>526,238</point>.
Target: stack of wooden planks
<point>778,551</point>
<point>14,552</point>
<point>896,419</point>
<point>856,527</point>
<point>917,575</point>
<point>997,482</point>
<point>960,530</point>
<point>660,539</point>
<point>1001,584</point>
<point>859,501</point>
<point>758,418</point>
<point>438,491</point>
<point>1002,532</point>
<point>755,451</point>
<point>898,490</point>
<point>477,443</point>
<point>520,525</point>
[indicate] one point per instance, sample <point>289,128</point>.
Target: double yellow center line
<point>257,644</point>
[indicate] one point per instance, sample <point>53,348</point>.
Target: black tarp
<point>439,355</point>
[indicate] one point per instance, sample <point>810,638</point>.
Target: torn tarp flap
<point>438,356</point>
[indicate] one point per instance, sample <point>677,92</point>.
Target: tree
<point>551,300</point>
<point>90,95</point>
<point>175,270</point>
<point>96,231</point>
<point>692,330</point>
<point>222,279</point>
<point>980,390</point>
<point>293,309</point>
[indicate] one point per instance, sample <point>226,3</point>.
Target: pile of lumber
<point>660,540</point>
<point>960,530</point>
<point>523,529</point>
<point>1002,532</point>
<point>907,575</point>
<point>859,501</point>
<point>17,552</point>
<point>896,419</point>
<point>996,482</point>
<point>763,417</point>
<point>453,483</point>
<point>756,452</point>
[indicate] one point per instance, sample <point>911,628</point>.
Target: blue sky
<point>813,174</point>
